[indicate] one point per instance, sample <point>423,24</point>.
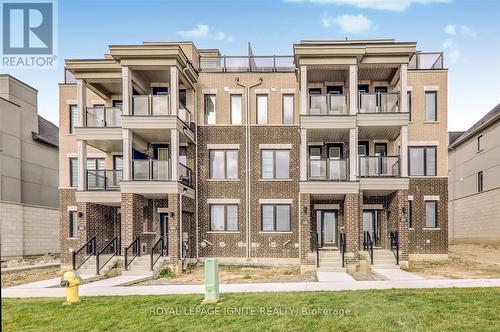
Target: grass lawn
<point>388,310</point>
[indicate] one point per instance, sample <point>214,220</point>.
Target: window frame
<point>257,108</point>
<point>274,230</point>
<point>435,93</point>
<point>425,159</point>
<point>71,118</point>
<point>205,110</point>
<point>480,182</point>
<point>435,213</point>
<point>225,164</point>
<point>409,214</point>
<point>285,95</point>
<point>408,98</point>
<point>274,164</point>
<point>479,143</point>
<point>231,108</point>
<point>225,205</point>
<point>71,172</point>
<point>73,224</point>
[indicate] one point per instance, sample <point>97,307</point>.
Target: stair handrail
<point>161,241</point>
<point>114,242</point>
<point>368,245</point>
<point>135,245</point>
<point>395,245</point>
<point>315,246</point>
<point>90,243</point>
<point>343,247</point>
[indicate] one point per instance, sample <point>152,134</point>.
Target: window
<point>431,214</point>
<point>275,217</point>
<point>235,109</point>
<point>183,155</point>
<point>73,118</point>
<point>118,163</point>
<point>262,109</point>
<point>223,164</point>
<point>95,172</point>
<point>422,161</point>
<point>479,182</point>
<point>363,148</point>
<point>287,109</point>
<point>430,105</point>
<point>480,143</point>
<point>315,152</point>
<point>408,105</point>
<point>410,214</point>
<point>223,217</point>
<point>209,109</point>
<point>73,172</point>
<point>275,164</point>
<point>73,224</point>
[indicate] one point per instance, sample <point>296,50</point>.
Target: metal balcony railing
<point>379,166</point>
<point>159,170</point>
<point>185,175</point>
<point>103,179</point>
<point>427,60</point>
<point>158,105</point>
<point>216,64</point>
<point>328,169</point>
<point>103,116</point>
<point>379,102</point>
<point>330,104</point>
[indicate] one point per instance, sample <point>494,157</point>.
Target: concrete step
<point>330,269</point>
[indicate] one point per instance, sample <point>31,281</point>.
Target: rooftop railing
<point>259,64</point>
<point>426,60</point>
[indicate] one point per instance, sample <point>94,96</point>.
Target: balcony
<point>379,102</point>
<point>257,64</point>
<point>426,61</point>
<point>103,179</point>
<point>379,166</point>
<point>327,170</point>
<point>158,105</point>
<point>330,104</point>
<point>97,117</point>
<point>159,170</point>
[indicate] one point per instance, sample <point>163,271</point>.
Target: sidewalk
<point>254,287</point>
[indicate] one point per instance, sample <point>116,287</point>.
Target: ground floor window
<point>73,224</point>
<point>223,217</point>
<point>431,214</point>
<point>275,217</point>
<point>410,214</point>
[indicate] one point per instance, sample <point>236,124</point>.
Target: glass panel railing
<point>113,116</point>
<point>426,60</point>
<point>143,105</point>
<point>284,64</point>
<point>113,179</point>
<point>338,104</point>
<point>318,105</point>
<point>376,166</point>
<point>160,170</point>
<point>95,117</point>
<point>237,64</point>
<point>261,64</point>
<point>185,175</point>
<point>247,63</point>
<point>95,179</point>
<point>328,169</point>
<point>184,114</point>
<point>212,64</point>
<point>140,105</point>
<point>141,169</point>
<point>160,105</point>
<point>379,102</point>
<point>331,104</point>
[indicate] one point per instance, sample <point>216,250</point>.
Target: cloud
<point>450,29</point>
<point>348,23</point>
<point>468,31</point>
<point>202,31</point>
<point>452,51</point>
<point>390,5</point>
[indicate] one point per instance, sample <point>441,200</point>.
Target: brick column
<point>173,228</point>
<point>132,218</point>
<point>402,225</point>
<point>306,256</point>
<point>351,222</point>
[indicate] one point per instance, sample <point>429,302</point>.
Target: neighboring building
<point>256,159</point>
<point>474,181</point>
<point>29,196</point>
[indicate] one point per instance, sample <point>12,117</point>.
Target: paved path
<point>117,281</point>
<point>324,276</point>
<point>48,283</point>
<point>397,274</point>
<point>254,287</point>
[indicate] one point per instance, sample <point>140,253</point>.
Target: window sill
<point>71,238</point>
<point>431,122</point>
<point>223,180</point>
<point>271,232</point>
<point>431,229</point>
<point>411,228</point>
<point>275,180</point>
<point>223,232</point>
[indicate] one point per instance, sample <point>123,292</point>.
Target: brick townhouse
<point>331,156</point>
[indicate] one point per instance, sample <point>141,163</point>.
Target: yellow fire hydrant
<point>71,281</point>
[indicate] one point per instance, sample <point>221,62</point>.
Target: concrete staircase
<point>382,259</point>
<point>142,265</point>
<point>89,267</point>
<point>330,260</point>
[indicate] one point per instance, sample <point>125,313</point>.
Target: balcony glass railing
<point>427,60</point>
<point>330,104</point>
<point>103,116</point>
<point>103,179</point>
<point>247,64</point>
<point>328,169</point>
<point>158,105</point>
<point>379,166</point>
<point>379,102</point>
<point>185,175</point>
<point>159,170</point>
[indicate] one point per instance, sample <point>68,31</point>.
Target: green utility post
<point>211,280</point>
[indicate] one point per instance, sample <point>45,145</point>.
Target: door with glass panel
<point>335,154</point>
<point>161,167</point>
<point>328,228</point>
<point>317,169</point>
<point>95,173</point>
<point>371,224</point>
<point>381,152</point>
<point>363,152</point>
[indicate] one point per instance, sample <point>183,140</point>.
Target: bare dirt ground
<point>237,275</point>
<point>23,277</point>
<point>35,260</point>
<point>464,261</point>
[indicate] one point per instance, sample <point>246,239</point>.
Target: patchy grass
<point>167,273</point>
<point>387,310</point>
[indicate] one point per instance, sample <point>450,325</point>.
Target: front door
<point>163,225</point>
<point>328,228</point>
<point>371,224</point>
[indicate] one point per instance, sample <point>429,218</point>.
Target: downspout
<point>247,161</point>
<point>184,191</point>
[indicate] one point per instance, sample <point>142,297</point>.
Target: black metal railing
<point>135,248</point>
<point>103,179</point>
<point>112,248</point>
<point>368,245</point>
<point>86,251</point>
<point>315,246</point>
<point>159,249</point>
<point>343,247</point>
<point>395,245</point>
<point>185,175</point>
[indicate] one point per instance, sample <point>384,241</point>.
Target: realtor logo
<point>28,33</point>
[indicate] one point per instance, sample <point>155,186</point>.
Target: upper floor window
<point>480,143</point>
<point>73,118</point>
<point>262,109</point>
<point>275,217</point>
<point>275,164</point>
<point>183,155</point>
<point>209,109</point>
<point>408,103</point>
<point>223,164</point>
<point>73,224</point>
<point>430,105</point>
<point>422,161</point>
<point>479,182</point>
<point>431,214</point>
<point>73,172</point>
<point>223,217</point>
<point>235,109</point>
<point>410,214</point>
<point>287,109</point>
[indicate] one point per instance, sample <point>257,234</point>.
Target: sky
<point>467,31</point>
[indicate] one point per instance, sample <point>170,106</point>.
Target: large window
<point>262,109</point>
<point>408,103</point>
<point>73,172</point>
<point>209,109</point>
<point>73,118</point>
<point>275,217</point>
<point>275,164</point>
<point>223,217</point>
<point>287,109</point>
<point>223,164</point>
<point>422,161</point>
<point>431,214</point>
<point>430,105</point>
<point>410,214</point>
<point>479,182</point>
<point>235,109</point>
<point>73,224</point>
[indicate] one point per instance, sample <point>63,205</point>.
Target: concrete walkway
<point>48,283</point>
<point>254,287</point>
<point>396,274</point>
<point>122,280</point>
<point>333,276</point>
